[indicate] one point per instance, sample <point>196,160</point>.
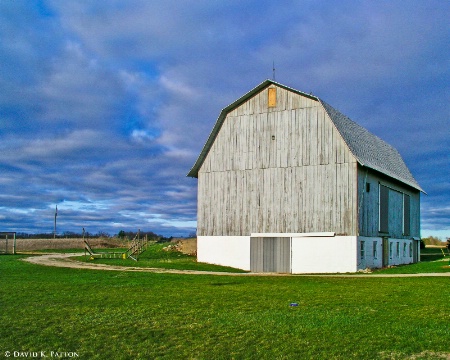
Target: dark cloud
<point>104,107</point>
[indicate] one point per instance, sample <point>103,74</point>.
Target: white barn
<point>288,184</point>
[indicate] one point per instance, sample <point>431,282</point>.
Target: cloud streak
<point>104,107</point>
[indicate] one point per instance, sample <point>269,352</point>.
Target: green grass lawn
<point>437,266</point>
<point>129,315</point>
<point>432,260</point>
<point>430,254</point>
<point>156,257</point>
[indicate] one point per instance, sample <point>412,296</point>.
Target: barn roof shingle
<point>369,150</point>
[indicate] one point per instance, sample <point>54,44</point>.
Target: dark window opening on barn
<point>367,187</point>
<point>362,250</point>
<point>374,250</point>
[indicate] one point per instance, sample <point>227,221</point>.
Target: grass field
<point>440,265</point>
<point>156,257</point>
<point>24,245</point>
<point>115,315</point>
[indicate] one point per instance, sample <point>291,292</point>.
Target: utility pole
<point>56,214</point>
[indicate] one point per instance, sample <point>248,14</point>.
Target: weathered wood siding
<point>369,206</point>
<point>279,169</point>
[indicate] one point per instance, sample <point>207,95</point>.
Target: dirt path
<point>63,260</point>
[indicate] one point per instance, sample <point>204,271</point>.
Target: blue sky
<point>104,106</point>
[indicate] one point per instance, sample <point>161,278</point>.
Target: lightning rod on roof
<point>273,70</point>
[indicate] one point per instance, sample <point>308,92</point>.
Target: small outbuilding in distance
<point>288,184</point>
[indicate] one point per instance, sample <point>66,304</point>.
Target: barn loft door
<point>270,254</point>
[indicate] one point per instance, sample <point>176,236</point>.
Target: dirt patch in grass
<point>429,355</point>
<point>186,246</point>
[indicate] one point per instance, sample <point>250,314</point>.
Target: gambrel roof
<point>369,150</point>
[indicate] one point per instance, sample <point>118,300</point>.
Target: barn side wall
<point>313,254</point>
<point>368,205</point>
<point>370,252</point>
<point>277,170</point>
<point>324,254</point>
<point>316,254</point>
<point>231,251</point>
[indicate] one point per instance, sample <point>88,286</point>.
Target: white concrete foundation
<point>312,253</point>
<point>323,254</point>
<point>231,251</point>
<point>373,253</point>
<point>399,252</point>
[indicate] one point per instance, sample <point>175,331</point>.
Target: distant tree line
<point>128,235</point>
<point>64,235</point>
<point>433,240</point>
<point>125,235</point>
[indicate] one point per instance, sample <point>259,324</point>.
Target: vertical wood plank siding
<point>369,206</point>
<point>279,169</point>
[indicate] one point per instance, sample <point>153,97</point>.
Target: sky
<point>105,105</point>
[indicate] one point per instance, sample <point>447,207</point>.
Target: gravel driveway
<point>63,260</point>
